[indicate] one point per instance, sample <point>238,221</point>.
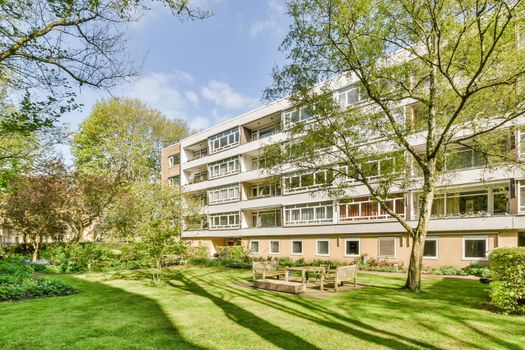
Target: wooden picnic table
<point>304,271</point>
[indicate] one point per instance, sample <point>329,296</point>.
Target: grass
<point>208,308</point>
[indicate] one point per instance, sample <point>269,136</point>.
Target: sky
<point>205,71</point>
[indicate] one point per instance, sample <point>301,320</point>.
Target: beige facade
<point>169,170</point>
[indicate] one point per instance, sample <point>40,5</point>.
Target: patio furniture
<point>340,275</point>
<point>304,271</point>
<point>266,269</point>
<point>280,286</point>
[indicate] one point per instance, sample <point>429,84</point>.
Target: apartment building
<point>287,215</point>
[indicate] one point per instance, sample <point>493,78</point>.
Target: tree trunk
<point>36,246</point>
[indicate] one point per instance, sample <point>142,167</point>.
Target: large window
<point>387,247</point>
<point>199,154</point>
<point>224,220</point>
<point>268,218</point>
<point>174,181</point>
<point>174,160</point>
<point>350,95</point>
<point>310,213</point>
<point>224,167</point>
<point>274,247</point>
<point>302,181</point>
<point>254,247</point>
<point>297,247</point>
<point>475,248</point>
<point>323,247</point>
<point>229,193</point>
<point>471,203</point>
<point>430,251</point>
<point>464,158</point>
<point>199,177</point>
<point>265,132</point>
<point>352,247</point>
<point>363,208</point>
<point>295,115</point>
<point>224,140</point>
<point>374,168</point>
<point>265,189</point>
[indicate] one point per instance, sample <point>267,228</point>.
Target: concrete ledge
<point>280,286</point>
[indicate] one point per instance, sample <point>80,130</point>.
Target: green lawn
<point>205,308</point>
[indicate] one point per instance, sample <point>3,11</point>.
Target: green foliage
<point>199,252</point>
<point>476,269</point>
<point>17,282</point>
<point>234,264</point>
<point>237,252</point>
<point>507,266</point>
<point>449,271</point>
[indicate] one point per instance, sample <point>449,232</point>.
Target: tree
<point>456,63</point>
<point>123,138</point>
<point>35,209</point>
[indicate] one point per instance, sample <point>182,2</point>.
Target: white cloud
<point>199,123</point>
<point>183,76</point>
<point>222,95</point>
<point>192,97</point>
<point>274,21</point>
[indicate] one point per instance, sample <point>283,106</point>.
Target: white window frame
<point>233,166</point>
<point>358,240</point>
<point>171,160</point>
<point>287,178</point>
<point>228,225</point>
<point>217,191</point>
<point>317,246</point>
<point>314,206</point>
<point>344,91</point>
<point>274,188</point>
<point>258,246</point>
<point>475,238</point>
<point>379,248</point>
<point>521,187</point>
<point>431,238</point>
<point>270,247</point>
<point>381,214</point>
<point>302,247</point>
<point>257,214</point>
<point>172,182</point>
<point>225,134</point>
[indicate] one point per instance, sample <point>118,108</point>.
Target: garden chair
<point>266,269</point>
<point>340,275</point>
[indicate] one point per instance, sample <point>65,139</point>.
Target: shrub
<point>234,264</point>
<point>286,262</point>
<point>449,271</point>
<point>475,269</point>
<point>236,252</point>
<point>507,266</point>
<point>199,252</point>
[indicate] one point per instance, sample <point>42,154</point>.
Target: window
<point>520,34</point>
<point>364,208</point>
<point>266,189</point>
<point>258,162</point>
<point>200,153</point>
<point>174,160</point>
<point>174,181</point>
<point>352,247</point>
<point>271,218</point>
<point>464,158</point>
<point>471,203</point>
<point>521,143</point>
<point>224,167</point>
<point>387,247</point>
<point>302,181</point>
<point>224,140</point>
<point>200,177</point>
<point>475,248</point>
<point>274,247</point>
<point>297,247</point>
<point>323,247</point>
<point>430,251</point>
<point>265,132</point>
<point>254,247</point>
<point>229,193</point>
<point>350,95</point>
<point>309,213</point>
<point>295,115</point>
<point>522,195</point>
<point>521,239</point>
<point>224,220</point>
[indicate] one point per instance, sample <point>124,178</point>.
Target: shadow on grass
<point>99,317</point>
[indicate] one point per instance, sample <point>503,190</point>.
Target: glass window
<point>323,247</point>
<point>521,239</point>
<point>274,247</point>
<point>352,247</point>
<point>224,220</point>
<point>174,181</point>
<point>254,246</point>
<point>430,250</point>
<point>174,160</point>
<point>224,140</point>
<point>297,247</point>
<point>475,248</point>
<point>387,247</point>
<point>230,193</point>
<point>224,167</point>
<point>522,195</point>
<point>309,213</point>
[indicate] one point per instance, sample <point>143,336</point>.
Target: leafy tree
<point>455,62</point>
<point>35,208</point>
<point>123,138</point>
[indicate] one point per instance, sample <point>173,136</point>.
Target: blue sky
<point>202,71</point>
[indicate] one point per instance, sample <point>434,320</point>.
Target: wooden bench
<point>280,286</point>
<point>340,275</point>
<point>266,269</point>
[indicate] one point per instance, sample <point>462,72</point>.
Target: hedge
<point>507,266</point>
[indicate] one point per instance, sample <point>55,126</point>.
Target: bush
<point>199,252</point>
<point>476,269</point>
<point>236,252</point>
<point>449,271</point>
<point>17,282</point>
<point>507,266</point>
<point>234,264</point>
